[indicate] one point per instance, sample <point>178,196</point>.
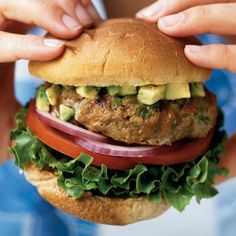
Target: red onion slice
<point>69,128</point>
<point>100,144</point>
<point>123,151</point>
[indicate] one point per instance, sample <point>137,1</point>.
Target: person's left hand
<point>192,17</point>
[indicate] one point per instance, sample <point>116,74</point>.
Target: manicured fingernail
<point>70,22</point>
<point>153,10</point>
<point>169,21</point>
<point>194,49</point>
<point>53,43</point>
<point>82,14</point>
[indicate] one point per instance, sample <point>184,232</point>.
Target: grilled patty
<point>126,120</point>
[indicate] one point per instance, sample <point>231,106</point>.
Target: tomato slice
<point>59,141</point>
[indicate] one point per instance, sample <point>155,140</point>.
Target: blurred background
<point>23,212</point>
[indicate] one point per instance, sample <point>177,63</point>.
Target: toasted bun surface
<point>121,52</point>
<point>103,210</point>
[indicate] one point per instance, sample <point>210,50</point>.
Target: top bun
<point>121,52</point>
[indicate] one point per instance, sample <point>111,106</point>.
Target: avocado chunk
<point>53,94</point>
<point>87,92</point>
<point>127,90</point>
<point>197,90</point>
<point>113,90</point>
<point>42,102</point>
<point>66,113</point>
<point>151,94</point>
<point>177,91</point>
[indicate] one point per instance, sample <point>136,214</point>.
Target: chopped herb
<point>116,102</point>
<point>156,105</point>
<point>143,112</point>
<point>204,119</point>
<point>174,125</point>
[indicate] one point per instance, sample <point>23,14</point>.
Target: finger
<point>215,18</point>
<point>76,9</point>
<point>217,56</point>
<point>229,38</point>
<point>91,10</point>
<point>2,22</point>
<point>166,7</point>
<point>44,13</point>
<point>14,47</point>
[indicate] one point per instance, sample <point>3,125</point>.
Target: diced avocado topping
<point>177,91</point>
<point>53,94</point>
<point>197,90</point>
<point>42,102</point>
<point>87,91</point>
<point>151,94</point>
<point>113,90</point>
<point>66,113</point>
<point>127,90</point>
<point>148,94</point>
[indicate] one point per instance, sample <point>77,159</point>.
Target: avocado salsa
<point>148,94</point>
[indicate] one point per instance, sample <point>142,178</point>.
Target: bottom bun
<point>98,209</point>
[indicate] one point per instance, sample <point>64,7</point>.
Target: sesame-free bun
<point>121,52</point>
<point>103,210</point>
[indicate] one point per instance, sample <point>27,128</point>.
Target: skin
<point>65,19</point>
<point>193,17</point>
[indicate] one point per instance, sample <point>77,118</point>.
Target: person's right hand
<point>62,18</point>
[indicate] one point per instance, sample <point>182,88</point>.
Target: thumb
<point>14,47</point>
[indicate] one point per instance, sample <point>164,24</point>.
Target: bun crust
<point>121,52</point>
<point>103,210</point>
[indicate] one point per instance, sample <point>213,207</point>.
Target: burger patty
<point>126,120</point>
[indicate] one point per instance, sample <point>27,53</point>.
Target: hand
<point>62,18</point>
<point>185,18</point>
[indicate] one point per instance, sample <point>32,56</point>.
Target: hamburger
<point>123,127</point>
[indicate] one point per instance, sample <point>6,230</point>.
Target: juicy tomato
<point>59,141</point>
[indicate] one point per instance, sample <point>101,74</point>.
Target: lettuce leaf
<point>176,184</point>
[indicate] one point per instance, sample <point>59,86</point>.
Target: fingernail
<point>53,43</point>
<point>82,14</point>
<point>70,22</point>
<point>169,21</point>
<point>153,10</point>
<point>194,48</point>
